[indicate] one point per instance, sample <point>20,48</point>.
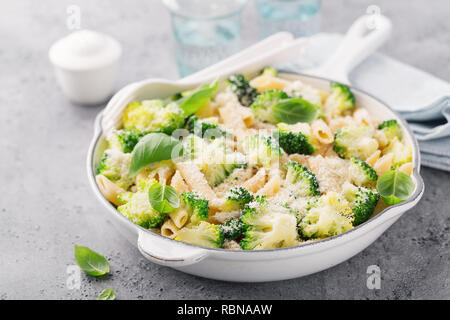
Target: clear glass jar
<point>300,17</point>
<point>205,31</point>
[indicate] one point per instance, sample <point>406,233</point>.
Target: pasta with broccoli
<point>260,163</point>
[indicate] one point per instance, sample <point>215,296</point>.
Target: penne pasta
<point>371,160</point>
<point>169,229</point>
<point>179,217</point>
<point>321,132</point>
<point>264,83</point>
<point>164,173</point>
<point>178,183</point>
<point>383,164</point>
<point>271,187</point>
<point>109,190</point>
<point>256,182</point>
<point>336,123</point>
<point>381,138</point>
<point>195,179</point>
<point>247,116</point>
<point>406,168</point>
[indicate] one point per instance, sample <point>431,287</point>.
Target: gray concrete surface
<point>46,205</point>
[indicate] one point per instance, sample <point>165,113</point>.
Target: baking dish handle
<point>365,36</point>
<point>162,251</point>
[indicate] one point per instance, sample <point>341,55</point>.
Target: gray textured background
<point>46,205</point>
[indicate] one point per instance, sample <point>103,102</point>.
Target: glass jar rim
<point>176,9</point>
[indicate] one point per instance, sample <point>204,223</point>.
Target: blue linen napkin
<point>431,126</point>
<point>422,99</point>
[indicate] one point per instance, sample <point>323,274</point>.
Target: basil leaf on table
<point>395,186</point>
<point>152,148</point>
<point>91,262</point>
<point>107,294</point>
<point>163,199</point>
<point>294,110</point>
<point>193,102</point>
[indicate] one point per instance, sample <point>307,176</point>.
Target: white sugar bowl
<point>86,65</point>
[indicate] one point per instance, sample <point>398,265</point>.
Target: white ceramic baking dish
<point>264,265</point>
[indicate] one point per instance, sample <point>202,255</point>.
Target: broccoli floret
<point>203,234</point>
<point>219,161</point>
<point>295,143</point>
<point>269,71</point>
<point>215,174</point>
<point>302,181</point>
<point>237,198</point>
<point>391,129</point>
<point>340,99</point>
<point>261,150</point>
<point>240,86</point>
<point>355,141</point>
<point>360,172</point>
<point>137,208</point>
<point>196,207</point>
<point>102,165</point>
<point>402,153</point>
<point>296,138</point>
<point>215,158</point>
<point>268,226</point>
<point>329,216</point>
<point>262,105</point>
<point>233,229</point>
<point>362,201</point>
<point>124,197</point>
<point>115,165</point>
<point>125,140</point>
<point>199,127</point>
<point>153,116</point>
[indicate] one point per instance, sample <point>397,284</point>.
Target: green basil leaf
<point>91,262</point>
<point>395,186</point>
<point>107,294</point>
<point>294,110</point>
<point>163,199</point>
<point>194,101</point>
<point>152,148</point>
